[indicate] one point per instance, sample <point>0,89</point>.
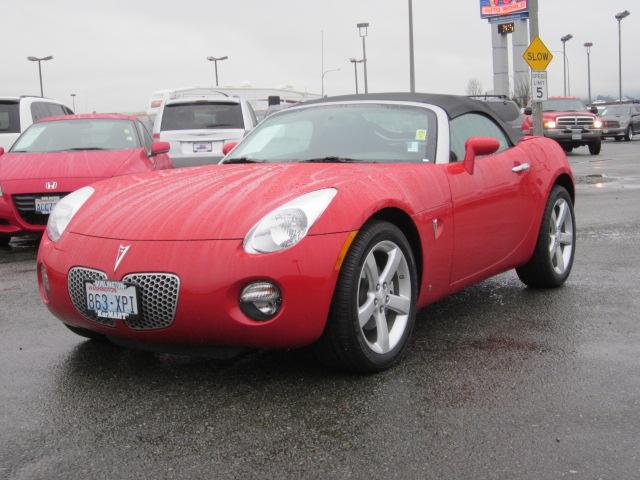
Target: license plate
<point>110,299</point>
<point>44,205</point>
<point>576,136</point>
<point>203,147</point>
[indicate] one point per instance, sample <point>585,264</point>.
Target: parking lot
<point>499,381</point>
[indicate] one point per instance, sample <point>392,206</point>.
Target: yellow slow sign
<point>537,55</point>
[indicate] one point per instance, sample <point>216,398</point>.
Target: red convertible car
<point>328,225</point>
<point>58,155</point>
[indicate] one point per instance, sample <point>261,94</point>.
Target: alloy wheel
<point>384,297</point>
<point>560,236</point>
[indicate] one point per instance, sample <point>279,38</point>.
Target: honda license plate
<point>202,147</point>
<point>110,299</point>
<point>44,205</point>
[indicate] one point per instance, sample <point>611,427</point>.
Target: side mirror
<point>158,148</point>
<point>528,111</point>
<point>594,110</point>
<point>478,146</point>
<point>1,151</point>
<point>228,148</point>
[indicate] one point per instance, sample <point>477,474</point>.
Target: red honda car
<point>58,155</point>
<point>329,224</point>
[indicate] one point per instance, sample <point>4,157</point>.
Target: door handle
<point>520,168</point>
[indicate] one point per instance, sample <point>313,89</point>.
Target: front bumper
<point>212,275</point>
<point>180,161</point>
<point>573,137</point>
<point>10,221</point>
<point>614,132</point>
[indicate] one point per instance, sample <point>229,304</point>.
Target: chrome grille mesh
<point>75,282</point>
<point>158,297</point>
<point>575,122</point>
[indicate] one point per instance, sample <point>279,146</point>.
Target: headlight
<point>65,210</point>
<point>288,224</point>
<point>549,124</point>
<point>597,124</point>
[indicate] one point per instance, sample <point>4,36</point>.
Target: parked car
<point>506,109</point>
<point>330,224</point>
<point>198,126</point>
<point>621,121</point>
<point>568,121</point>
<point>59,155</point>
<point>18,113</point>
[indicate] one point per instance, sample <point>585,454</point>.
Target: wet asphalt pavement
<point>499,381</point>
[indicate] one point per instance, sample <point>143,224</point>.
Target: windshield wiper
<point>83,148</point>
<point>330,159</point>
<point>242,160</point>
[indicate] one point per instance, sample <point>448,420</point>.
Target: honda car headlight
<point>65,210</point>
<point>288,224</point>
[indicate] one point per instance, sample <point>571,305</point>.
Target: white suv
<point>198,125</point>
<point>18,113</point>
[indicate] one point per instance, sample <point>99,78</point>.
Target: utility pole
<point>588,46</point>
<point>363,30</point>
<point>412,69</point>
<point>215,63</point>
<point>619,17</point>
<point>355,68</point>
<point>534,32</point>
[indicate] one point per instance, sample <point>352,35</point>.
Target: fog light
<point>45,279</point>
<point>260,300</point>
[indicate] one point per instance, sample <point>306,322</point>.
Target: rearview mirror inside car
<point>478,146</point>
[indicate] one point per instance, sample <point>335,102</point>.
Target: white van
<point>197,126</point>
<point>18,113</point>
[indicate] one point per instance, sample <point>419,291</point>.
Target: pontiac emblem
<point>51,185</point>
<point>122,251</point>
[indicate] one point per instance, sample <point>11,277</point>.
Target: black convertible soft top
<point>454,105</point>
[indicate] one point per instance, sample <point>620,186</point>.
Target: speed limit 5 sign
<point>539,91</point>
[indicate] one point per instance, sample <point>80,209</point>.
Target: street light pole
<point>215,64</point>
<point>355,68</point>
<point>412,70</point>
<point>588,46</point>
<point>567,60</point>
<point>73,99</point>
<point>40,60</point>
<point>363,30</point>
<point>323,74</point>
<point>564,41</point>
<point>619,17</point>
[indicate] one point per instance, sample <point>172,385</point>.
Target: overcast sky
<point>115,53</point>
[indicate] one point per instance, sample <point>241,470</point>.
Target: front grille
<point>574,122</point>
<point>26,206</point>
<point>75,283</point>
<point>611,124</point>
<point>158,297</point>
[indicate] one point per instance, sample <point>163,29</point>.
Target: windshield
<point>356,132</point>
<point>80,134</point>
<point>564,105</point>
<point>9,117</point>
<point>201,116</point>
<point>617,110</point>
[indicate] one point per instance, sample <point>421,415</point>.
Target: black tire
<point>343,344</point>
<point>595,147</point>
<point>539,272</point>
<point>83,332</point>
<point>628,136</point>
<point>4,241</point>
<point>567,148</point>
<point>618,139</point>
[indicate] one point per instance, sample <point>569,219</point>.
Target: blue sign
<point>503,8</point>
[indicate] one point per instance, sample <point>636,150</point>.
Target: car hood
<point>225,201</point>
<point>53,165</point>
<point>554,115</point>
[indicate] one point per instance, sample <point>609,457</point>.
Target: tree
<point>474,87</point>
<point>522,93</point>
